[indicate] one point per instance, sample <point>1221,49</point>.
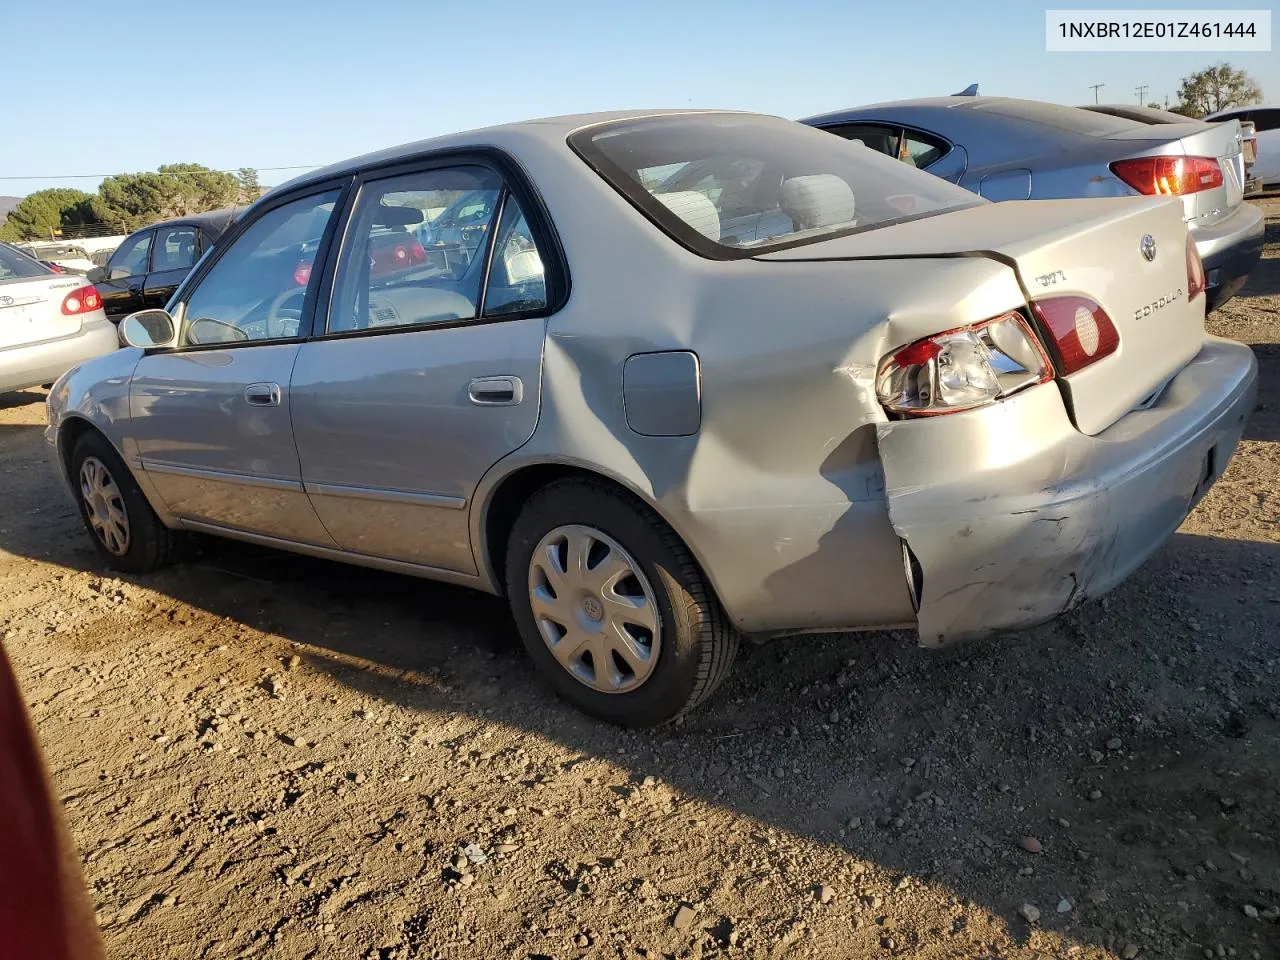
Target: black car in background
<point>150,263</point>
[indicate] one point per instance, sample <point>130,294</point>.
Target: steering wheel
<point>282,321</point>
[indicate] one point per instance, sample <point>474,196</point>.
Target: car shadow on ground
<point>929,763</point>
<point>1264,424</point>
<point>20,398</point>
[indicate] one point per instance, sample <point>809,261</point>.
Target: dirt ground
<point>268,756</point>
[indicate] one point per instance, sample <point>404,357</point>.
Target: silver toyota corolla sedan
<point>1006,149</point>
<point>812,390</point>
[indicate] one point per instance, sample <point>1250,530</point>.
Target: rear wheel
<point>612,607</point>
<point>120,522</point>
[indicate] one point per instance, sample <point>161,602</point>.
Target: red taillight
<point>417,252</point>
<point>1195,271</point>
<point>1154,176</point>
<point>1081,330</point>
<point>81,300</point>
<point>302,274</point>
<point>401,254</point>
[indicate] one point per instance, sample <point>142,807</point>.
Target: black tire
<point>150,544</point>
<point>698,642</point>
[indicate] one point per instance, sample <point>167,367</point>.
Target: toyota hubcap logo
<point>1148,247</point>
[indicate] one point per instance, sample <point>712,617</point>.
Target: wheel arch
<point>505,494</point>
<point>70,430</point>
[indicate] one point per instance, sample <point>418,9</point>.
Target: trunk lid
<point>1088,248</point>
<point>31,310</point>
<point>1220,141</point>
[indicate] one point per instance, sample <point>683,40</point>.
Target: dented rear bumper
<point>1014,516</point>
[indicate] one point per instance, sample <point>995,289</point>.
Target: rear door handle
<point>496,391</point>
<point>262,394</point>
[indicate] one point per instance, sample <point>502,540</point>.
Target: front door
<point>429,370</point>
<point>124,274</point>
<point>212,416</point>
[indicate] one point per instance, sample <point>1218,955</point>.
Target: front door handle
<point>262,394</point>
<point>496,391</point>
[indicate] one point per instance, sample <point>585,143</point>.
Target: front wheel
<point>124,528</point>
<point>612,607</point>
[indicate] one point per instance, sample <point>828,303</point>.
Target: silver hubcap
<point>107,515</point>
<point>594,608</point>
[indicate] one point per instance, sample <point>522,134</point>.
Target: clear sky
<point>129,85</point>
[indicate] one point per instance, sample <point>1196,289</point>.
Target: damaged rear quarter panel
<point>780,494</point>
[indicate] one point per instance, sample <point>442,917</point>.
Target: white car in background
<point>49,322</point>
<point>1266,122</point>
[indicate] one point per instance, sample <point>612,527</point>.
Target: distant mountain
<point>7,204</point>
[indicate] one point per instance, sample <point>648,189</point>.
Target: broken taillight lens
<point>962,369</point>
<point>1195,271</point>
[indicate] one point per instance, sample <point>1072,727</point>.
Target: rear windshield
<point>1071,119</point>
<point>15,266</point>
<point>731,185</point>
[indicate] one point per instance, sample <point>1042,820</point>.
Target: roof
<point>550,130</point>
<point>214,221</point>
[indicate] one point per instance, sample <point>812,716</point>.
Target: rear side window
<point>1070,119</point>
<point>734,185</point>
<point>1264,120</point>
<point>175,248</point>
<point>14,266</point>
<point>879,138</point>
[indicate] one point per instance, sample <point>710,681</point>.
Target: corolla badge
<point>1148,247</point>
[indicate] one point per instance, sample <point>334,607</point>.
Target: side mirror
<point>96,275</point>
<point>148,329</point>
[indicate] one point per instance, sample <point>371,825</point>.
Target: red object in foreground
<point>44,910</point>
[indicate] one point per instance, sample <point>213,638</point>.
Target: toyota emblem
<point>6,301</point>
<point>1148,247</point>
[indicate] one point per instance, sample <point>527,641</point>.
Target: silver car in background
<point>1008,149</point>
<point>49,322</point>
<point>707,374</point>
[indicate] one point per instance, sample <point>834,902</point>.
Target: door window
<point>882,139</point>
<point>131,259</point>
<point>415,250</point>
<point>257,289</point>
<point>175,248</point>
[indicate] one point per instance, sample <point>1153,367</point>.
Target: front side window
<point>175,248</point>
<point>733,185</point>
<point>415,250</point>
<point>257,289</point>
<point>131,259</point>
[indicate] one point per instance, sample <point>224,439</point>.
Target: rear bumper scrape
<point>1016,517</point>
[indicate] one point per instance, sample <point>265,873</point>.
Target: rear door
<point>427,374</point>
<point>173,255</point>
<point>124,275</point>
<point>212,416</point>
